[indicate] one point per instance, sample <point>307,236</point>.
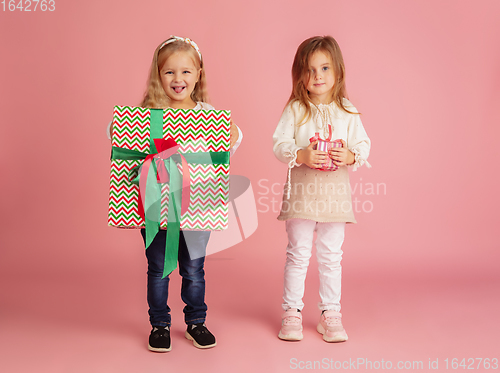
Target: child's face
<point>321,78</point>
<point>178,77</point>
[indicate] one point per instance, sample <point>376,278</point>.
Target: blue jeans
<point>192,272</point>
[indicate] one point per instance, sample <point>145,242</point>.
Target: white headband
<point>173,38</point>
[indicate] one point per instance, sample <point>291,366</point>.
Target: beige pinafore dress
<point>322,196</point>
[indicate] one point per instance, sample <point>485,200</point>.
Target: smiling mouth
<point>178,89</point>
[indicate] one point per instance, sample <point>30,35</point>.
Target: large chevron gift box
<point>202,139</point>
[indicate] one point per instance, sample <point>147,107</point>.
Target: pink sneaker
<point>291,326</point>
<point>330,325</point>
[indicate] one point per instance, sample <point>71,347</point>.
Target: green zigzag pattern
<point>123,196</point>
<point>210,191</point>
<point>203,137</point>
<point>131,127</point>
<point>208,177</point>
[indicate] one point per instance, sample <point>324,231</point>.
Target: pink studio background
<point>420,269</point>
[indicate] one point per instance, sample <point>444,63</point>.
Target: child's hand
<point>342,156</point>
<point>312,158</point>
<point>234,134</point>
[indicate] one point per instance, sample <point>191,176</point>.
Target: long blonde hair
<point>300,73</point>
<point>155,96</point>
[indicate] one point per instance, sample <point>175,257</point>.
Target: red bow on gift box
<point>166,148</point>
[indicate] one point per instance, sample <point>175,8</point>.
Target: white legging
<point>329,239</point>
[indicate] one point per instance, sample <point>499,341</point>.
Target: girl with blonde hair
<point>177,80</point>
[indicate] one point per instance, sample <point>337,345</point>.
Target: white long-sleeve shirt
<point>289,138</point>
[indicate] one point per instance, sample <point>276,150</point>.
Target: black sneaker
<point>159,339</point>
<point>200,335</point>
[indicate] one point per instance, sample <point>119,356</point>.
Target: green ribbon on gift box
<point>149,184</point>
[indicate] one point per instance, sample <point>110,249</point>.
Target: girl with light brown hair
<point>317,198</point>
